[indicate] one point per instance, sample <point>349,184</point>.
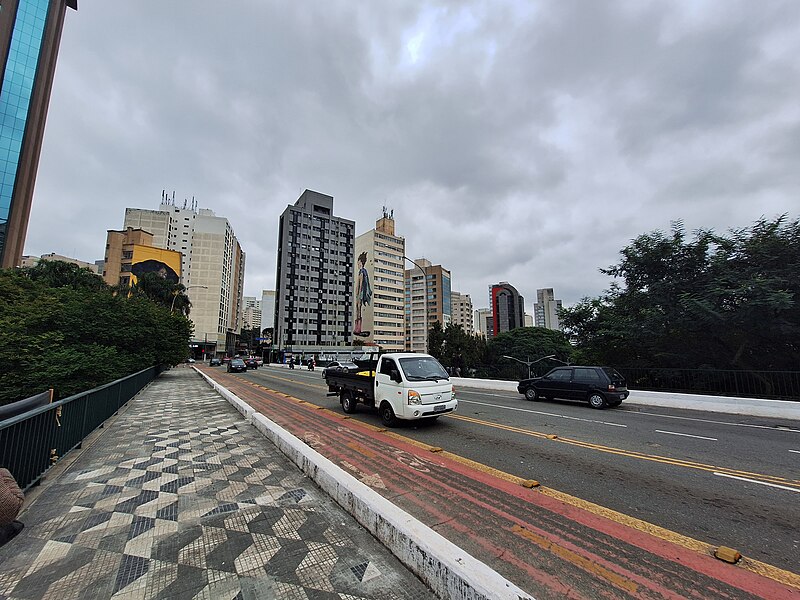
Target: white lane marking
<point>795,451</point>
<point>537,412</point>
<point>699,437</point>
<point>642,412</point>
<point>775,485</point>
<point>778,428</point>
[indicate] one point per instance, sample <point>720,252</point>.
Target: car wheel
<point>596,400</point>
<point>531,394</point>
<point>387,415</point>
<point>348,403</point>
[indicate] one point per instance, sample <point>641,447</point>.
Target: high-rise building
<point>314,283</point>
<point>546,309</point>
<point>267,309</point>
<point>427,301</point>
<point>212,268</point>
<point>508,308</point>
<point>130,253</point>
<point>483,322</point>
<point>252,315</point>
<point>378,293</point>
<point>461,311</point>
<point>30,34</point>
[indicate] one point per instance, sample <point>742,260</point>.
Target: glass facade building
<point>29,37</point>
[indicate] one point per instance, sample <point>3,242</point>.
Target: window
<point>560,375</point>
<point>387,366</point>
<point>586,375</point>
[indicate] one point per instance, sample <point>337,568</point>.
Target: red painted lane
<point>532,539</point>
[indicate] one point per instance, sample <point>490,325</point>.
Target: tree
<point>526,344</point>
<point>67,330</point>
<point>719,300</point>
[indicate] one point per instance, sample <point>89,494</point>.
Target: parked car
<point>599,386</point>
<point>215,362</point>
<point>236,365</point>
<point>251,363</point>
<point>340,367</point>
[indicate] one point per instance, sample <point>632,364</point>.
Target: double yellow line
<point>677,462</point>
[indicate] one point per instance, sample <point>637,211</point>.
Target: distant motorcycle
<point>291,364</point>
<point>311,365</point>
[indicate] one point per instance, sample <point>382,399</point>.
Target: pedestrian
<point>11,499</point>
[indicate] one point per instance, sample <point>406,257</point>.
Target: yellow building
<point>130,254</point>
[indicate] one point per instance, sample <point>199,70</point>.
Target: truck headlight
<point>453,393</point>
<point>414,397</point>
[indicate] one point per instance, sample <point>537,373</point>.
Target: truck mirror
<point>395,376</point>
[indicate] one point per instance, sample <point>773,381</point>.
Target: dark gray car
<point>599,386</point>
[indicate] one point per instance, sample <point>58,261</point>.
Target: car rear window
<point>613,374</point>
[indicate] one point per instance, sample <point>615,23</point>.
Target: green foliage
<point>455,348</point>
<point>64,328</point>
<point>526,344</point>
<point>720,301</point>
<point>163,292</point>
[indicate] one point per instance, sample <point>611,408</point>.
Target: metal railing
<point>34,441</point>
<point>780,385</point>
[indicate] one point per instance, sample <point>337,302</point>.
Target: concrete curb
<point>448,570</point>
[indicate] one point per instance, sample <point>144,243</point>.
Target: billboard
<point>147,259</point>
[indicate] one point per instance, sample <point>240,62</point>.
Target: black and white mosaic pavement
<point>181,498</point>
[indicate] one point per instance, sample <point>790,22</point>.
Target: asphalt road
<point>722,479</point>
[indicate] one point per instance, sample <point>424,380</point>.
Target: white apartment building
<point>382,318</point>
<point>483,321</point>
<point>251,315</point>
<point>212,268</point>
<point>461,311</point>
<point>546,309</point>
<point>267,309</point>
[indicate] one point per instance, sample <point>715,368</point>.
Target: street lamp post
<point>176,292</point>
<point>529,363</point>
<point>425,304</point>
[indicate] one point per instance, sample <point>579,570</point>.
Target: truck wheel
<point>387,415</point>
<point>348,403</point>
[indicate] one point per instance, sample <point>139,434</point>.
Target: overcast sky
<point>526,142</point>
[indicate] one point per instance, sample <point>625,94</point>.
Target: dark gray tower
<point>314,284</point>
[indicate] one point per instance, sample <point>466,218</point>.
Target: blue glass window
<point>15,98</point>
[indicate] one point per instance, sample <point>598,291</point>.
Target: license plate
<point>439,408</point>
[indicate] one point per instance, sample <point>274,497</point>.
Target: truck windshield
<point>423,368</point>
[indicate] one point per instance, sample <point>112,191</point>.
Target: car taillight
<point>611,387</point>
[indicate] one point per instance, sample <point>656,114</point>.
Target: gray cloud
<point>515,141</point>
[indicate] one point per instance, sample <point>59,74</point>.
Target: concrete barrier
<point>448,570</point>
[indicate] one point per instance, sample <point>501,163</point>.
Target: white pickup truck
<point>403,385</point>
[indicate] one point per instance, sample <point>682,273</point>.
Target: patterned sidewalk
<point>181,498</point>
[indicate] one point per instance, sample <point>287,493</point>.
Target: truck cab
<point>405,386</point>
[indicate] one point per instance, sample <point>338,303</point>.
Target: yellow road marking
<point>633,454</point>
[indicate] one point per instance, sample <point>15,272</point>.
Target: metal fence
<point>34,441</point>
<point>781,385</point>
